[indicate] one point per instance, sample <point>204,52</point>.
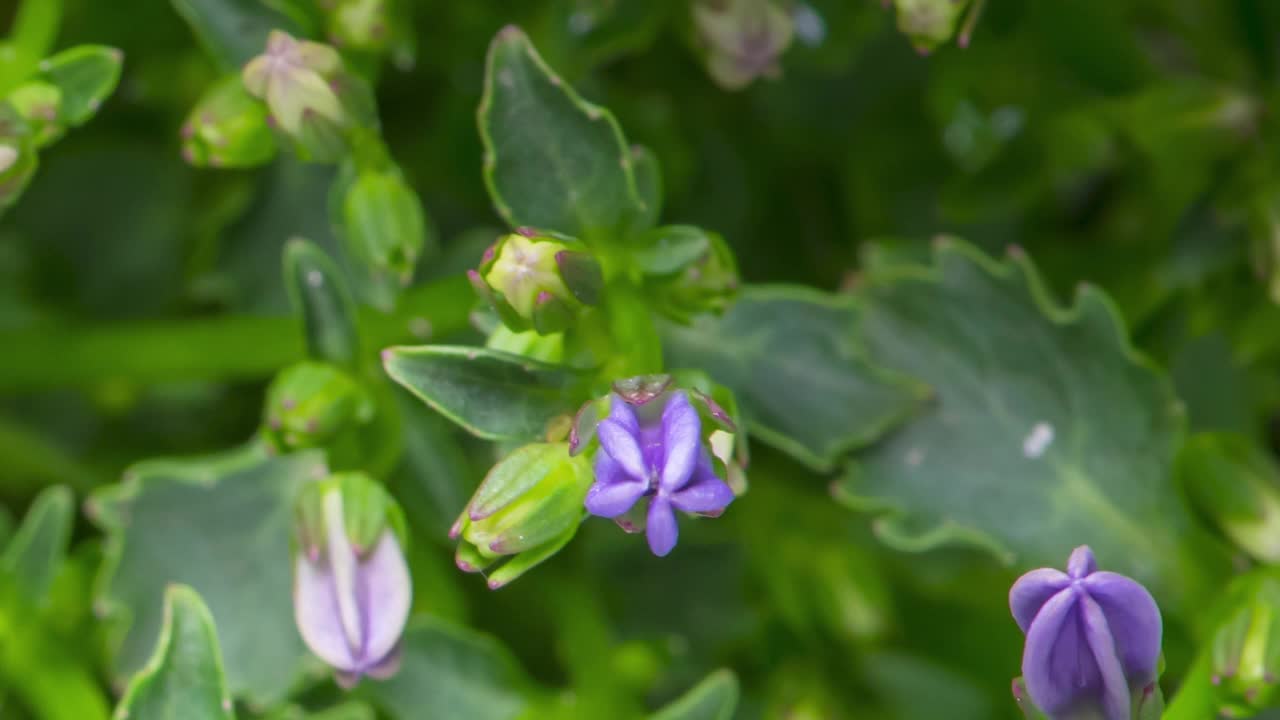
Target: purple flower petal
<point>315,609</point>
<point>661,527</point>
<point>1081,562</point>
<point>1032,591</point>
<point>681,441</point>
<point>387,666</point>
<point>608,472</point>
<point>621,445</point>
<point>609,500</point>
<point>623,414</point>
<point>703,495</point>
<point>1057,664</point>
<point>386,592</point>
<point>1115,689</point>
<point>1134,620</point>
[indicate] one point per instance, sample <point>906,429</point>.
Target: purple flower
<point>1093,638</point>
<point>352,591</point>
<point>655,450</point>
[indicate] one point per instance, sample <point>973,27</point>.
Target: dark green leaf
<point>493,395</point>
<point>552,160</point>
<point>450,672</point>
<point>184,678</point>
<point>320,294</point>
<point>234,31</point>
<point>715,698</point>
<point>789,355</point>
<point>36,551</point>
<point>221,525</point>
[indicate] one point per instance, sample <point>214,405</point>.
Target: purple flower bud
<point>352,591</point>
<point>1093,639</point>
<point>655,450</point>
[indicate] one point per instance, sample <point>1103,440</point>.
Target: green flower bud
<point>688,270</point>
<point>311,404</point>
<point>360,24</point>
<point>227,128</point>
<point>539,282</point>
<point>18,158</point>
<point>1246,647</point>
<point>1236,486</point>
<point>38,104</point>
<point>384,225</point>
<point>546,348</point>
<point>928,23</point>
<point>528,507</point>
<point>743,39</point>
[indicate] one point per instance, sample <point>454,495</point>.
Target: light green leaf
<point>318,291</point>
<point>1048,431</point>
<point>552,160</point>
<point>223,526</point>
<point>790,357</point>
<point>493,395</point>
<point>234,31</point>
<point>36,551</point>
<point>715,698</point>
<point>184,679</point>
<point>345,711</point>
<point>86,75</point>
<point>450,672</point>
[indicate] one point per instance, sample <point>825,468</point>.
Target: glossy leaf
<point>234,31</point>
<point>319,292</point>
<point>491,394</point>
<point>1048,430</point>
<point>552,160</point>
<point>790,357</point>
<point>86,75</point>
<point>34,555</point>
<point>183,680</point>
<point>221,525</point>
<point>715,698</point>
<point>449,672</point>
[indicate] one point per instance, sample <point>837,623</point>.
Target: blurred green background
<point>1130,145</point>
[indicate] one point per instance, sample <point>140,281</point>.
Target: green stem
<point>215,348</point>
<point>35,27</point>
<point>1195,698</point>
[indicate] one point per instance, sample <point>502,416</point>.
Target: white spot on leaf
<point>314,278</point>
<point>914,457</point>
<point>1038,440</point>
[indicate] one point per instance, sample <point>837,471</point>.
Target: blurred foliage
<point>1129,147</point>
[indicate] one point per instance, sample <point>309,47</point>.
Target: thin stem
<point>216,348</point>
<point>35,27</point>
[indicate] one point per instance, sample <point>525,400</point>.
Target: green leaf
<point>1048,431</point>
<point>345,711</point>
<point>450,672</point>
<point>234,31</point>
<point>790,357</point>
<point>715,698</point>
<point>36,551</point>
<point>184,678</point>
<point>86,75</point>
<point>491,394</point>
<point>223,526</point>
<point>552,160</point>
<point>318,291</point>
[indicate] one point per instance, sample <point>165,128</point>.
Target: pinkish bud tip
<point>526,231</point>
<point>495,584</point>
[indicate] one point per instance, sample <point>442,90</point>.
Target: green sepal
<point>85,75</point>
<point>309,404</point>
<point>367,511</point>
<point>38,103</point>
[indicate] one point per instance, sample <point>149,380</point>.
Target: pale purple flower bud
<point>352,590</point>
<point>654,450</point>
<point>1093,639</point>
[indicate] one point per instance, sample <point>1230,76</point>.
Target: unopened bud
<point>360,24</point>
<point>689,270</point>
<point>537,282</point>
<point>1246,647</point>
<point>352,590</point>
<point>384,225</point>
<point>528,507</point>
<point>743,39</point>
<point>310,404</point>
<point>228,128</point>
<point>38,103</point>
<point>928,23</point>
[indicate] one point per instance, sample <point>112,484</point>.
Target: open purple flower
<point>655,450</point>
<point>1093,639</point>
